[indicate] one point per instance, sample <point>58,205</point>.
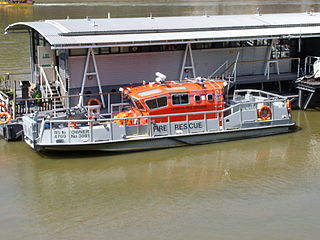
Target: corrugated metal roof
<point>139,31</point>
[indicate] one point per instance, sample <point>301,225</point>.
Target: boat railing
<point>118,107</point>
<point>256,92</point>
<point>162,125</point>
<point>30,105</point>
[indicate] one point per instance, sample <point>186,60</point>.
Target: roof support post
<point>186,68</point>
<point>86,74</point>
<point>269,55</point>
<point>31,57</point>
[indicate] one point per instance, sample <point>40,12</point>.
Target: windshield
<point>136,104</point>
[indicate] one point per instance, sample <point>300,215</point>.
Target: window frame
<point>194,98</point>
<point>180,94</point>
<point>212,99</point>
<point>134,102</point>
<point>151,109</point>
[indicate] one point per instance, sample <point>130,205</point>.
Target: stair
<point>56,95</point>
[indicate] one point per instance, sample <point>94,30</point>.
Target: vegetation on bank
<point>4,86</point>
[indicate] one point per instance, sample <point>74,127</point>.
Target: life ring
<point>289,106</point>
<point>4,107</point>
<point>92,111</point>
<point>92,100</point>
<point>264,112</point>
<point>7,115</point>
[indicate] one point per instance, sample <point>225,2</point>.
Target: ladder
<point>88,74</point>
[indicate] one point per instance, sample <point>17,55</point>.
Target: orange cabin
<point>162,98</point>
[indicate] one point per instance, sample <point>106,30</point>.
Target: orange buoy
<point>264,112</point>
<point>94,100</point>
<point>7,116</point>
<point>92,110</point>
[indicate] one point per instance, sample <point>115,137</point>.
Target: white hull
<point>141,144</point>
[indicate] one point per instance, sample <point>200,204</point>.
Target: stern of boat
<point>30,131</point>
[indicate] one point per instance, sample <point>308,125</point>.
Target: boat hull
<point>148,143</point>
<point>15,4</point>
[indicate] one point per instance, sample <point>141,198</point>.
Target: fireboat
<point>163,114</point>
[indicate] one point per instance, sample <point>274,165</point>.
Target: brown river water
<point>264,188</point>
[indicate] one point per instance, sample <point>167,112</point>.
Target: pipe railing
<point>219,113</point>
<point>45,85</point>
<point>29,105</point>
<point>226,63</point>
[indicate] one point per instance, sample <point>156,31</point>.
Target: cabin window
<point>105,50</point>
<point>139,105</point>
<point>124,49</point>
<point>197,98</point>
<point>114,50</point>
<point>209,97</point>
<point>78,52</point>
<point>179,99</point>
<point>157,103</point>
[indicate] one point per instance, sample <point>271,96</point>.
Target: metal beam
<point>308,100</point>
<point>86,74</point>
<point>188,67</point>
<point>168,42</point>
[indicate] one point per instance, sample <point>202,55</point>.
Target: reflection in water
<point>170,171</point>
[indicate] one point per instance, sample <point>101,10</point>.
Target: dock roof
<point>90,32</point>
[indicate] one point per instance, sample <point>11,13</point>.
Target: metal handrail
<point>59,79</point>
<point>259,91</point>
<point>225,63</point>
<point>47,84</point>
<point>156,116</point>
<point>219,114</point>
<point>220,117</point>
<point>69,96</point>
